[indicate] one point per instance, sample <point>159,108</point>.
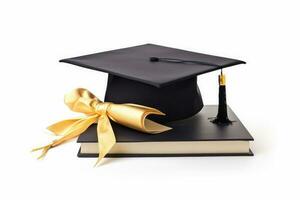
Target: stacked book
<point>195,136</point>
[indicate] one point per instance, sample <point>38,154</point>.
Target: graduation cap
<point>159,77</point>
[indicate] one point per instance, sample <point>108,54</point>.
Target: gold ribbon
<point>83,101</point>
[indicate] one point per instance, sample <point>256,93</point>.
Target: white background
<point>34,35</point>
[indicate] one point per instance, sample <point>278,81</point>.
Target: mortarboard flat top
<point>134,63</point>
<point>155,76</point>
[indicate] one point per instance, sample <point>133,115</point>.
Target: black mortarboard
<point>156,76</point>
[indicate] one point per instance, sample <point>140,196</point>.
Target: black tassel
<point>222,116</point>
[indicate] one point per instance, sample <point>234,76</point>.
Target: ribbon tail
<point>106,137</point>
<point>61,127</point>
<point>44,152</point>
<point>75,130</point>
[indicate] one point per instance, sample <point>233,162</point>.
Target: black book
<point>194,136</point>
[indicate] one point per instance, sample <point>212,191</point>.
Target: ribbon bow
<point>83,101</point>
